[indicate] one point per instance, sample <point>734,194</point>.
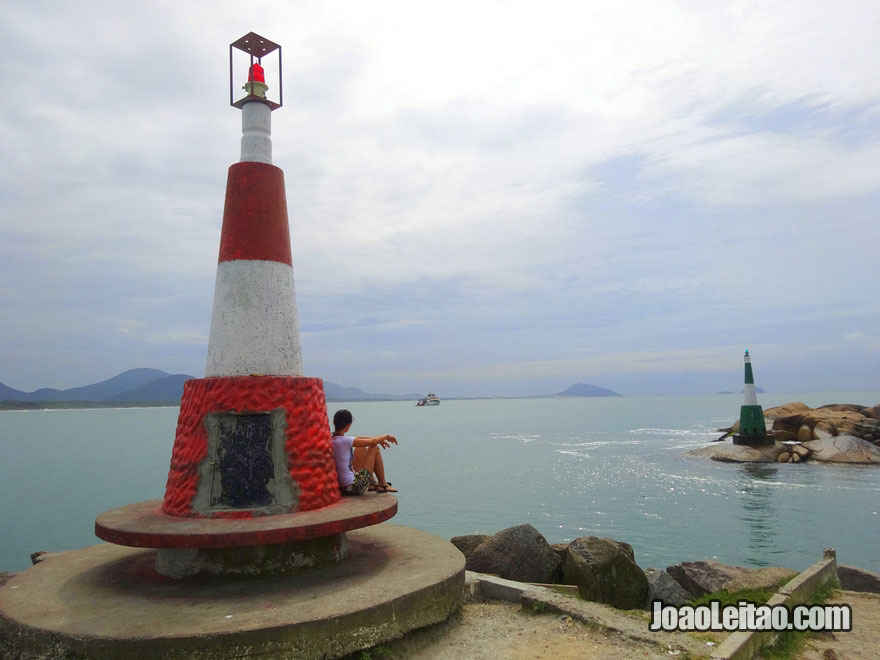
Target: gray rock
<point>784,436</point>
<point>40,555</point>
<point>468,543</point>
<point>605,571</point>
<point>843,449</point>
<point>560,549</point>
<point>662,586</point>
<point>517,553</point>
<point>731,453</point>
<point>858,579</point>
<point>703,577</point>
<point>868,430</point>
<point>768,577</point>
<point>824,430</point>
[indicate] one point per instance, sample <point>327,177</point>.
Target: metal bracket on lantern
<point>256,47</point>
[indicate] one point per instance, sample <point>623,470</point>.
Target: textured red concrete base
<point>308,444</point>
<point>107,602</point>
<point>144,525</point>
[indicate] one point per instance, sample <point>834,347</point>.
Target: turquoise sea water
<point>614,467</point>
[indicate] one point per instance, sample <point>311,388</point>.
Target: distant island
<point>582,389</point>
<point>758,390</point>
<point>154,387</point>
<point>336,392</point>
<point>146,387</point>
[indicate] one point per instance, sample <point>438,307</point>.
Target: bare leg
<point>370,458</point>
<point>359,458</point>
<point>379,468</point>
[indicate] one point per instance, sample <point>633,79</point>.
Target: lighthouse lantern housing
<point>256,47</point>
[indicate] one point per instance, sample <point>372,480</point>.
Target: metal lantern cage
<point>257,48</point>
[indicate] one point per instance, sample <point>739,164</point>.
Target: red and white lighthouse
<point>251,493</point>
<point>252,465</point>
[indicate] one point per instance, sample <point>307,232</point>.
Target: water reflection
<point>759,511</point>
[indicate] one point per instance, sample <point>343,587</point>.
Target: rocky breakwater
<point>835,433</point>
<point>604,570</point>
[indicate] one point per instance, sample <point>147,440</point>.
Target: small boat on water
<point>430,400</point>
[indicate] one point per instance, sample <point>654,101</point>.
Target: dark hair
<point>341,419</point>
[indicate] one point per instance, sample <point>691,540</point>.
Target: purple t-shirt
<point>343,453</point>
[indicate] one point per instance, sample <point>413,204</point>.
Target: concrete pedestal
<point>109,602</point>
<point>252,561</point>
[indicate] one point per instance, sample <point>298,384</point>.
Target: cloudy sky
<point>486,198</point>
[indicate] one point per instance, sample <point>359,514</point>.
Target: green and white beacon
<point>752,428</point>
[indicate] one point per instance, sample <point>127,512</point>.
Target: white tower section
<point>254,325</point>
<point>750,398</point>
<point>256,133</point>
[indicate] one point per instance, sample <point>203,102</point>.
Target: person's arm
<point>382,440</point>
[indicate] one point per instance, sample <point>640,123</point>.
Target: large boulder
<point>823,430</point>
<point>843,407</point>
<point>783,436</point>
<point>560,549</point>
<point>844,449</point>
<point>727,452</point>
<point>605,571</point>
<point>839,418</point>
<point>468,543</point>
<point>703,577</point>
<point>517,553</point>
<point>858,579</point>
<point>868,428</point>
<point>769,577</point>
<point>786,409</point>
<point>663,587</point>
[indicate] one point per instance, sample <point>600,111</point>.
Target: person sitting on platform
<point>358,458</point>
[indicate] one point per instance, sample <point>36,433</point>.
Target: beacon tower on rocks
<point>752,428</point>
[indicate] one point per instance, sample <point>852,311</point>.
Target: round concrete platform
<point>144,525</point>
<point>107,601</point>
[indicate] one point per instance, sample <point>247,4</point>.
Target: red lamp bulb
<point>255,73</point>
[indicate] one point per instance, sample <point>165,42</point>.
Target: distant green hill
<point>134,385</point>
<point>169,388</point>
<point>101,391</point>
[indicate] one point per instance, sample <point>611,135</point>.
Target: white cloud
<point>863,340</point>
<point>450,160</point>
